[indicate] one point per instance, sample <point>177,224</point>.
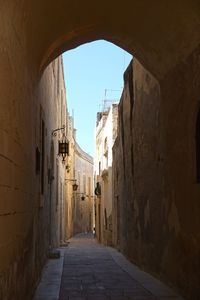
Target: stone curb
<point>49,286</point>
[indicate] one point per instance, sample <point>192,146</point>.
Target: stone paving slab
<point>90,271</point>
<point>93,271</point>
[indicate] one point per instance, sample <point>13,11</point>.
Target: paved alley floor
<point>91,271</point>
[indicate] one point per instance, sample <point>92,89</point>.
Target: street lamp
<point>83,196</point>
<point>63,148</point>
<point>63,145</point>
<point>74,185</point>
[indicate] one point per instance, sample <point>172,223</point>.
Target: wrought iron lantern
<point>75,186</point>
<point>63,145</point>
<point>97,190</point>
<point>63,148</point>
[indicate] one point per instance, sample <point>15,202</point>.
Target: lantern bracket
<point>54,132</point>
<point>70,179</point>
<point>82,195</point>
<point>74,185</point>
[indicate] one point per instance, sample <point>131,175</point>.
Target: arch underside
<point>160,34</point>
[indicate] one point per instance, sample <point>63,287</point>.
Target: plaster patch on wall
<point>173,219</point>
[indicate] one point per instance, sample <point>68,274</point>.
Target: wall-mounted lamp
<point>63,145</point>
<point>67,168</point>
<point>54,132</point>
<point>83,196</point>
<point>63,148</point>
<point>74,185</point>
<point>97,190</point>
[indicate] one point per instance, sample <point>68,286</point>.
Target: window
<point>51,171</point>
<point>37,161</point>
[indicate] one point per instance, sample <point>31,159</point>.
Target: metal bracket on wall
<point>54,132</point>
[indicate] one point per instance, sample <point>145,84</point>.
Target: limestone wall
<point>106,132</point>
<point>27,117</point>
<point>69,177</point>
<point>83,197</point>
<point>156,196</point>
<point>52,108</point>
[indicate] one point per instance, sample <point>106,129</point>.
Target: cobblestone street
<point>91,271</point>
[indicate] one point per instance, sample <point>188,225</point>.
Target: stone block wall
<point>24,210</point>
<point>83,197</point>
<point>156,197</point>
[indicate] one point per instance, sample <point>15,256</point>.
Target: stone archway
<point>160,35</point>
<point>164,36</point>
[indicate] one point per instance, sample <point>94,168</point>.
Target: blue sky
<point>90,70</point>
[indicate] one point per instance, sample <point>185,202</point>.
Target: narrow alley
<point>134,181</point>
<point>91,271</point>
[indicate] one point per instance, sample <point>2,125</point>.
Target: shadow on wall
<point>154,223</point>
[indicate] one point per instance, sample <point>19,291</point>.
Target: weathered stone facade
<point>32,186</point>
<point>106,132</point>
<point>79,203</point>
<point>156,223</point>
<point>53,112</point>
<point>83,197</point>
<point>69,180</point>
